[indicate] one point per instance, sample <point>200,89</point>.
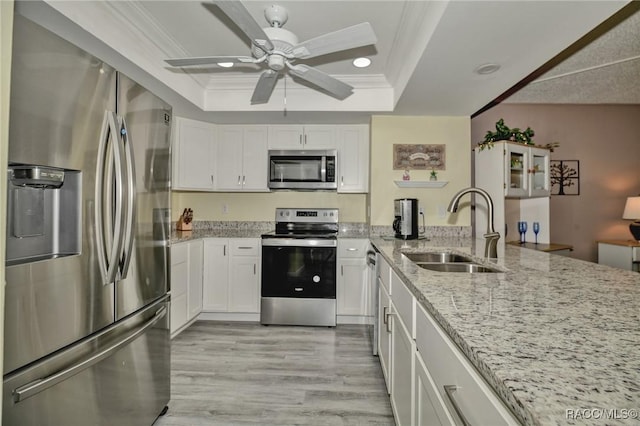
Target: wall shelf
<point>420,183</point>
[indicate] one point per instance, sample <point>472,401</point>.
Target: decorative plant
<point>504,133</point>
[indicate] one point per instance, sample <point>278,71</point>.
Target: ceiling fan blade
<point>264,88</point>
<point>208,60</point>
<point>346,38</point>
<point>238,13</point>
<point>332,85</point>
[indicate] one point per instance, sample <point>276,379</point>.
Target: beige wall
<point>606,141</point>
<point>262,206</point>
<point>6,28</point>
<point>454,132</point>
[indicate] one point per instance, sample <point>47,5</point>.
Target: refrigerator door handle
<point>108,263</point>
<point>39,385</point>
<point>132,197</point>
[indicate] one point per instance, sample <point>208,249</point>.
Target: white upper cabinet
<point>521,170</point>
<point>353,158</point>
<point>302,137</point>
<point>526,171</point>
<point>241,160</point>
<point>193,155</point>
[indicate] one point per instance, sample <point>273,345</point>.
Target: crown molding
<point>418,23</point>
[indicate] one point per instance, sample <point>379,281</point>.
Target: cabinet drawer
<point>403,301</point>
<point>245,247</point>
<point>384,273</point>
<point>352,247</point>
<point>179,253</point>
<point>464,391</point>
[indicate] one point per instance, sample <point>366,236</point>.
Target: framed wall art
<point>418,157</point>
<point>565,177</point>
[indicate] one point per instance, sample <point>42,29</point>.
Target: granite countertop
<point>252,230</point>
<point>551,334</point>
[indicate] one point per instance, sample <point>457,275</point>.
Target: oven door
<point>299,268</point>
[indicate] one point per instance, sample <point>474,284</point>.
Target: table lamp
<point>632,211</point>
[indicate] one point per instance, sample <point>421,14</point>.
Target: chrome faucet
<point>491,237</point>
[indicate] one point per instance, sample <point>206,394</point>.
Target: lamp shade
<point>632,211</point>
<point>632,208</point>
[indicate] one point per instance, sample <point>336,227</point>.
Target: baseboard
<point>354,319</point>
<point>228,316</point>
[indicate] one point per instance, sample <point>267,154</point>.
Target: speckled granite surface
<point>231,229</point>
<point>210,229</point>
<point>550,334</point>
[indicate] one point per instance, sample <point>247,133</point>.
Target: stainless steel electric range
<point>299,268</point>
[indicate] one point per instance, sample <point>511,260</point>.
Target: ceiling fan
<point>278,49</point>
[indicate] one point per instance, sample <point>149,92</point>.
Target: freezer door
<point>119,377</point>
<point>145,258</point>
<point>59,95</point>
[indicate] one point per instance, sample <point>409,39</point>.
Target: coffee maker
<point>405,223</point>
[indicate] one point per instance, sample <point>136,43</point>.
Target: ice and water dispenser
<point>43,213</point>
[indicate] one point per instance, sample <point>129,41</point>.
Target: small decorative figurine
<point>406,176</point>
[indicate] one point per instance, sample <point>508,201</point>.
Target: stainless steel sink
<point>437,257</point>
<point>470,267</point>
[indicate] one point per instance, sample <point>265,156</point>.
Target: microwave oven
<point>303,169</point>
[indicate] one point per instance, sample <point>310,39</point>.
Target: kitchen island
<point>557,339</point>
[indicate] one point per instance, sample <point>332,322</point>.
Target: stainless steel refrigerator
<point>87,305</point>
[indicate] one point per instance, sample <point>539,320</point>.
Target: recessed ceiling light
<point>361,62</point>
<point>225,64</point>
<point>487,69</point>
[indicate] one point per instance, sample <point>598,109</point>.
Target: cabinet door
<point>402,350</point>
<point>244,285</point>
<point>319,137</point>
<point>539,173</point>
<point>216,275</point>
<point>384,335</point>
<point>429,409</point>
<point>285,137</point>
<point>516,170</point>
<point>353,159</point>
<point>229,158</point>
<point>255,167</point>
<point>179,285</point>
<point>352,290</point>
<point>195,278</point>
<point>193,155</point>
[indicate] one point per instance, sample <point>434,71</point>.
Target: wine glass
<point>522,227</point>
<point>536,229</point>
<point>520,231</point>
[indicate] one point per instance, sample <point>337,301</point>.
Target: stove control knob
<point>316,279</point>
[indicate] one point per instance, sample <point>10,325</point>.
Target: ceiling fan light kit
<point>278,49</point>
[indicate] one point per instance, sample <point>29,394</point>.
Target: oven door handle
<point>298,242</point>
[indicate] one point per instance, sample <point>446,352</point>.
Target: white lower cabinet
<point>186,283</point>
<point>384,333</point>
<point>429,408</point>
<point>215,284</point>
<point>353,290</point>
<point>231,275</point>
<point>430,381</point>
<point>402,350</point>
<point>464,392</point>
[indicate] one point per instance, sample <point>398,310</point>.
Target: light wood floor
<point>247,373</point>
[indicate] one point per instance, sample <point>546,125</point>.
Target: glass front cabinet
<point>526,171</point>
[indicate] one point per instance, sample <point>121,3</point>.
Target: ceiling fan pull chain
<point>285,95</point>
